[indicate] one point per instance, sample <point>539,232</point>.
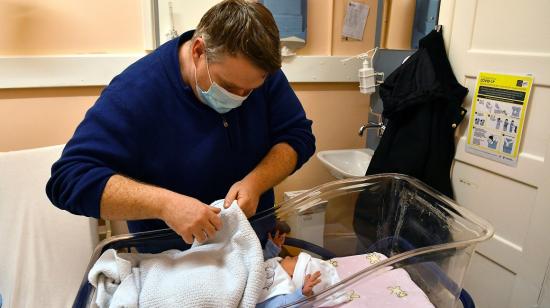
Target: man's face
<point>236,74</point>
<point>289,264</point>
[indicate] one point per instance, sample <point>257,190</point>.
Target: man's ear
<point>197,48</point>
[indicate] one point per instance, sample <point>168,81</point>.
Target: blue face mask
<point>217,97</point>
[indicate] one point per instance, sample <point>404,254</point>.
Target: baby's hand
<point>309,282</point>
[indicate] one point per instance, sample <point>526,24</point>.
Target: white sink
<point>349,163</point>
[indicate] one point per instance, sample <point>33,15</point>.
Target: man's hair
<point>241,27</point>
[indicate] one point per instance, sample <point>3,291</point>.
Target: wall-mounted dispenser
<point>367,75</point>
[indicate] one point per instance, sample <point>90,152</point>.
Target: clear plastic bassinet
<point>420,231</point>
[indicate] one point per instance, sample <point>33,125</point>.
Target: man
<point>206,116</point>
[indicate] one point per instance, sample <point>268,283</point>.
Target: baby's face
<point>288,264</point>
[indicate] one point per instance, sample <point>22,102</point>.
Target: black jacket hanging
<point>422,100</point>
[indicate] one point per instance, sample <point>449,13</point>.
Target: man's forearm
<point>279,163</point>
<point>127,199</point>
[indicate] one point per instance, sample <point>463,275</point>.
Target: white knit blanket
<point>226,271</point>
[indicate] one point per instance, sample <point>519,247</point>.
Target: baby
<point>279,288</point>
<point>294,278</point>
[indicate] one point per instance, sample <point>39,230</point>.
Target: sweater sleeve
<point>281,300</point>
<point>100,147</point>
<point>288,121</point>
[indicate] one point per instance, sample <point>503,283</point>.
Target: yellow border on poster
<point>506,82</point>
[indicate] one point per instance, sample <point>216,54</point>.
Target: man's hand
<point>273,169</point>
<point>278,239</point>
<point>309,282</point>
<point>247,197</point>
<point>191,218</point>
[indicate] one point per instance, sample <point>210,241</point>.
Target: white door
<point>505,36</point>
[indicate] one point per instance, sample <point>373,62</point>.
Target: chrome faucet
<point>380,125</point>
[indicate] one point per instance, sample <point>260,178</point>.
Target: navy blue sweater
<point>148,125</point>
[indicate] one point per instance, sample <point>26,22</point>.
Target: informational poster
<point>355,20</point>
<point>497,116</point>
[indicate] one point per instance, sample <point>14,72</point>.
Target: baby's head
<point>299,266</point>
<point>289,264</point>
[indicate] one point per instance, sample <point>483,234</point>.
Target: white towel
<point>43,250</point>
<point>226,271</point>
<point>308,265</point>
